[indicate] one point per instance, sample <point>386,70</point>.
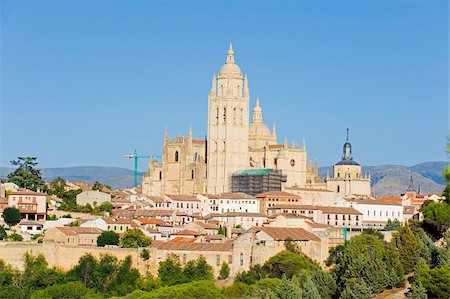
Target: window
<point>217,115</point>
<point>234,115</point>
<point>338,189</point>
<point>184,258</point>
<point>242,259</point>
<point>176,156</point>
<point>218,260</point>
<point>292,162</point>
<point>339,174</point>
<point>224,115</point>
<point>160,175</point>
<point>275,161</point>
<point>230,259</point>
<point>192,175</point>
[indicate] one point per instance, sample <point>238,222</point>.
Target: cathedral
<point>191,166</point>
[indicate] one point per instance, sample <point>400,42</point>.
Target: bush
<point>224,271</point>
<point>11,216</point>
<point>108,238</point>
<point>15,237</point>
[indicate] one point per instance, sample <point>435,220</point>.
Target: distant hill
<point>116,177</point>
<point>386,179</point>
<point>394,179</point>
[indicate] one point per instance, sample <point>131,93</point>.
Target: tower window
<point>160,175</point>
<point>339,174</point>
<point>224,115</point>
<point>176,156</point>
<point>338,189</point>
<point>217,116</point>
<point>234,115</point>
<point>275,161</point>
<point>192,174</point>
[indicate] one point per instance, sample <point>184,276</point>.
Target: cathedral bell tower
<point>228,115</point>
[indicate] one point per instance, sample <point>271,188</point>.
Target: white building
<point>92,197</point>
<point>238,202</point>
<point>376,213</point>
<point>188,204</point>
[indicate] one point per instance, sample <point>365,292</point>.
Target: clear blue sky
<point>84,82</point>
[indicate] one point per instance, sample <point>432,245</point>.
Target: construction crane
<point>135,156</point>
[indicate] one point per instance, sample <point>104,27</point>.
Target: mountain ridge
<point>388,179</point>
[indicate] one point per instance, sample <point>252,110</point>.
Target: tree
<point>408,248</point>
<point>287,290</point>
<point>393,225</point>
<point>145,254</point>
<point>87,265</point>
<point>224,271</point>
<point>15,237</point>
<point>26,175</point>
<point>198,269</point>
<point>99,186</point>
<point>251,276</point>
<point>325,283</point>
<point>108,238</point>
<point>170,271</point>
<point>135,238</point>
<point>373,232</point>
<point>58,187</point>
<point>436,217</point>
<point>287,263</point>
<point>417,291</point>
<point>69,290</point>
<point>11,216</point>
<point>310,290</point>
<point>3,234</point>
<point>106,207</point>
<point>356,289</point>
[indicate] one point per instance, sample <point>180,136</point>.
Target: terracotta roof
<point>235,195</point>
<point>277,194</point>
<point>153,230</point>
<point>293,207</point>
<point>57,199</point>
<point>396,199</point>
<point>374,202</point>
<point>156,199</point>
<point>318,225</point>
<point>339,210</point>
<point>287,215</point>
<point>27,192</point>
<point>154,213</point>
<point>276,146</point>
<point>187,246</point>
<point>186,232</point>
<point>182,197</point>
<point>124,213</point>
<point>30,222</point>
<point>207,225</point>
<point>197,141</point>
<point>120,221</point>
<point>211,196</point>
<point>3,200</point>
<point>214,237</point>
<point>151,221</point>
<point>183,239</point>
<point>281,233</point>
<point>73,231</point>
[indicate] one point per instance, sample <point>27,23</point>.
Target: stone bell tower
<point>228,116</point>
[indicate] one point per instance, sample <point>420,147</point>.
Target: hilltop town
<point>234,200</point>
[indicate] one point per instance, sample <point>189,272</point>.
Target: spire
<point>213,91</point>
<point>303,145</point>
<point>246,93</point>
<point>274,132</point>
<point>411,184</point>
<point>166,135</point>
<point>285,142</point>
<point>230,54</point>
<point>347,150</point>
<point>190,131</point>
<point>257,112</point>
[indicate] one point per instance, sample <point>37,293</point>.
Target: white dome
<point>259,130</point>
<point>230,68</point>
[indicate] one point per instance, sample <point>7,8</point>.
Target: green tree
<point>135,238</point>
<point>11,216</point>
<point>288,263</point>
<point>37,275</point>
<point>436,217</point>
<point>224,271</point>
<point>417,291</point>
<point>325,283</point>
<point>288,289</point>
<point>394,267</point>
<point>145,254</point>
<point>126,278</point>
<point>108,238</point>
<point>373,232</point>
<point>15,237</point>
<point>356,289</point>
<point>106,207</point>
<point>236,290</point>
<point>58,187</point>
<point>85,269</point>
<point>99,186</point>
<point>26,175</point>
<point>336,254</point>
<point>198,269</point>
<point>393,225</point>
<point>251,276</point>
<point>69,290</point>
<point>170,271</point>
<point>3,234</point>
<point>408,247</point>
<point>310,290</point>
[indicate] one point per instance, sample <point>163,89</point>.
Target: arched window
<point>338,189</point>
<point>195,157</point>
<point>224,115</point>
<point>339,174</point>
<point>242,117</point>
<point>217,116</point>
<point>176,156</point>
<point>160,175</point>
<point>224,146</point>
<point>234,115</point>
<point>192,174</point>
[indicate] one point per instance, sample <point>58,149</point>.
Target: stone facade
<point>195,166</point>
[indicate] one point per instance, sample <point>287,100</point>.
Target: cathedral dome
<point>230,67</point>
<point>259,130</point>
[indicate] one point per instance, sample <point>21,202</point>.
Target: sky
<point>85,82</point>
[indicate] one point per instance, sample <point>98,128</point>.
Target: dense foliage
<point>11,216</point>
<point>26,175</point>
<point>108,238</point>
<point>135,238</point>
